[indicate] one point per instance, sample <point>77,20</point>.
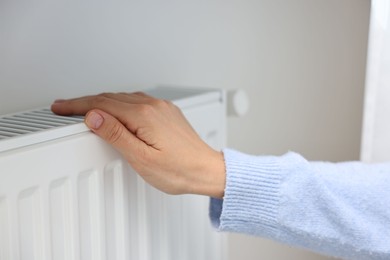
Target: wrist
<point>211,177</point>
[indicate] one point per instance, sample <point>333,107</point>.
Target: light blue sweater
<point>338,209</point>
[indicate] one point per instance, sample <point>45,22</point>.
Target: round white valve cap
<point>237,102</point>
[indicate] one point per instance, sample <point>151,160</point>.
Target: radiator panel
<point>74,197</point>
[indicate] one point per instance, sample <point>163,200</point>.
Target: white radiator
<point>65,194</point>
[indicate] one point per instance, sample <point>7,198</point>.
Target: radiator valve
<point>237,103</point>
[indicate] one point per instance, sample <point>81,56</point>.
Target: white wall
<point>301,61</point>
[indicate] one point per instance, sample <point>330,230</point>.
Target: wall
<point>302,63</point>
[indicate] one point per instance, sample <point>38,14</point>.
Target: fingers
<point>64,108</point>
<point>80,106</point>
<point>114,133</point>
<point>104,101</point>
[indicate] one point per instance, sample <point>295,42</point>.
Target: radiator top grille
<point>35,126</point>
<point>33,121</point>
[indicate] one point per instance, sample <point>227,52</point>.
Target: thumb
<point>112,131</point>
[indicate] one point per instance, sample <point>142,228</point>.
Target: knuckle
<point>143,95</point>
<point>106,94</point>
<point>160,103</point>
<point>139,93</point>
<point>145,110</point>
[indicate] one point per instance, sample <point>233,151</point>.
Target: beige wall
<point>306,87</point>
<point>301,61</point>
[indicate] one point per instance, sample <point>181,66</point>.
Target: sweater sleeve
<point>337,209</point>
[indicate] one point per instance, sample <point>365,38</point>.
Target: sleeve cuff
<point>215,211</point>
<point>252,193</point>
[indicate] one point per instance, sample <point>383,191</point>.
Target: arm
<point>339,209</point>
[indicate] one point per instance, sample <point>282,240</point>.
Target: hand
<point>155,138</point>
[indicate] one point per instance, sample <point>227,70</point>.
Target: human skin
<point>155,138</point>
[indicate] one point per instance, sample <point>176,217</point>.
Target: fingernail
<point>94,120</point>
<point>59,100</point>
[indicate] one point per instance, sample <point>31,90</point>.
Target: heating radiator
<point>65,194</point>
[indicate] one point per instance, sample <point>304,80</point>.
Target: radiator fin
<point>114,190</point>
<point>158,230</point>
<point>4,231</point>
<point>88,214</point>
<point>30,225</point>
<point>60,219</point>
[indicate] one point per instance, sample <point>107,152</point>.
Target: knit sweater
<point>337,209</point>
